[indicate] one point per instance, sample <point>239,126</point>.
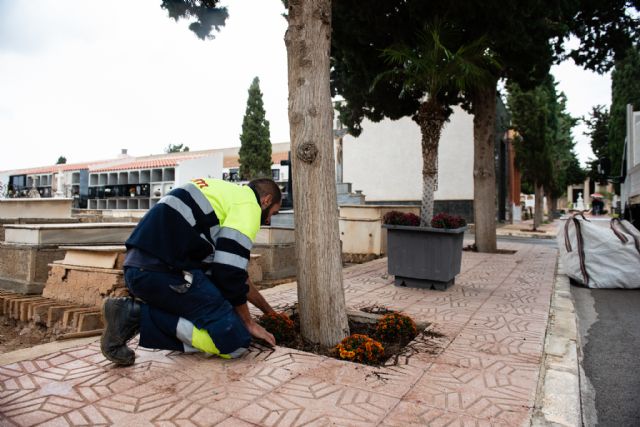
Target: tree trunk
<point>537,215</point>
<point>323,318</point>
<point>484,171</point>
<point>431,118</point>
<point>552,207</point>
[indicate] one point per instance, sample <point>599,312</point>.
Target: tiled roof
<point>157,161</point>
<point>140,164</point>
<point>55,168</point>
<point>152,161</point>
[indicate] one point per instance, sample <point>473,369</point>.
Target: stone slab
<point>46,207</point>
<point>275,235</point>
<point>68,234</point>
<point>87,258</point>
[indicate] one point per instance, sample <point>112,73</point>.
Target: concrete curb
<point>558,394</point>
<point>525,234</point>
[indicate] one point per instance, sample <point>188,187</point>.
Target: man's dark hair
<point>265,186</point>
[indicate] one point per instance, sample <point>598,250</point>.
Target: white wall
<point>385,161</point>
<point>202,167</point>
<point>635,138</point>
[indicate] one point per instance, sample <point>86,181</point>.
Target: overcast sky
<point>84,79</point>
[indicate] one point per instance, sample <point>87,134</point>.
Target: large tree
<point>520,35</point>
<point>531,118</point>
<point>625,89</point>
<point>605,29</point>
<point>255,142</point>
<point>517,38</point>
<point>598,131</point>
<point>526,37</point>
<point>432,74</point>
<point>566,168</point>
<point>319,261</point>
<point>544,143</point>
<point>323,316</point>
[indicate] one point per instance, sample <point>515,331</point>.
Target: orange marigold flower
<point>360,348</point>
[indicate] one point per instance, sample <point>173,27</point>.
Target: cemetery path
<point>484,371</point>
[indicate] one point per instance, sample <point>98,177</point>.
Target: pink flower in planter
<point>401,218</point>
<point>444,220</point>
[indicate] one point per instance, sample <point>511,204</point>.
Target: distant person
<point>186,265</point>
<point>597,207</point>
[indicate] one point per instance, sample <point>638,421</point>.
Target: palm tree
<point>443,74</point>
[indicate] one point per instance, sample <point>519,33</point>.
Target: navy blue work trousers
<point>201,304</point>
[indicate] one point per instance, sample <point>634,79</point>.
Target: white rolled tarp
<point>599,257</point>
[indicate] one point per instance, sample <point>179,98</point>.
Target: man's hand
<point>258,331</point>
<point>254,329</point>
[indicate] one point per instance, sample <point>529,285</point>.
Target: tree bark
<point>484,173</point>
<point>323,318</point>
<point>552,208</point>
<point>539,206</point>
<point>431,118</point>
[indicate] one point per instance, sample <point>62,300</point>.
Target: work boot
<point>122,322</point>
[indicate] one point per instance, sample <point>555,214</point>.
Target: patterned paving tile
<point>394,381</point>
<point>310,401</point>
<point>415,414</point>
<point>499,390</point>
<point>487,343</point>
<point>528,326</point>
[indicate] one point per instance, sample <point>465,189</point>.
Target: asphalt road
<point>609,329</point>
<point>529,240</point>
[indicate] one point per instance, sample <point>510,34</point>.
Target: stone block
<point>38,312</point>
<point>54,314</point>
<point>83,285</point>
<point>5,297</point>
<point>14,307</point>
<point>70,316</point>
<point>89,321</point>
<point>255,268</point>
<point>25,306</point>
<point>277,260</point>
<point>24,268</point>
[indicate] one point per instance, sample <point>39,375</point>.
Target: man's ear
<point>266,200</point>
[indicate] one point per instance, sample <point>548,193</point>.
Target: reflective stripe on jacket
<point>207,224</point>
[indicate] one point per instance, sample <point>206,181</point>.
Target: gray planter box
<point>424,257</point>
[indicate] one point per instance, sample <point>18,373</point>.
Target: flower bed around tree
<point>370,342</point>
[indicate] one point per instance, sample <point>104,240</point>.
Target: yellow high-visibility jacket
<point>207,224</point>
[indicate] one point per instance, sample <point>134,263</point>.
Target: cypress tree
<point>255,144</point>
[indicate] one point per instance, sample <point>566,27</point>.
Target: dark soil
<point>376,309</point>
<point>392,349</point>
<point>15,335</point>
